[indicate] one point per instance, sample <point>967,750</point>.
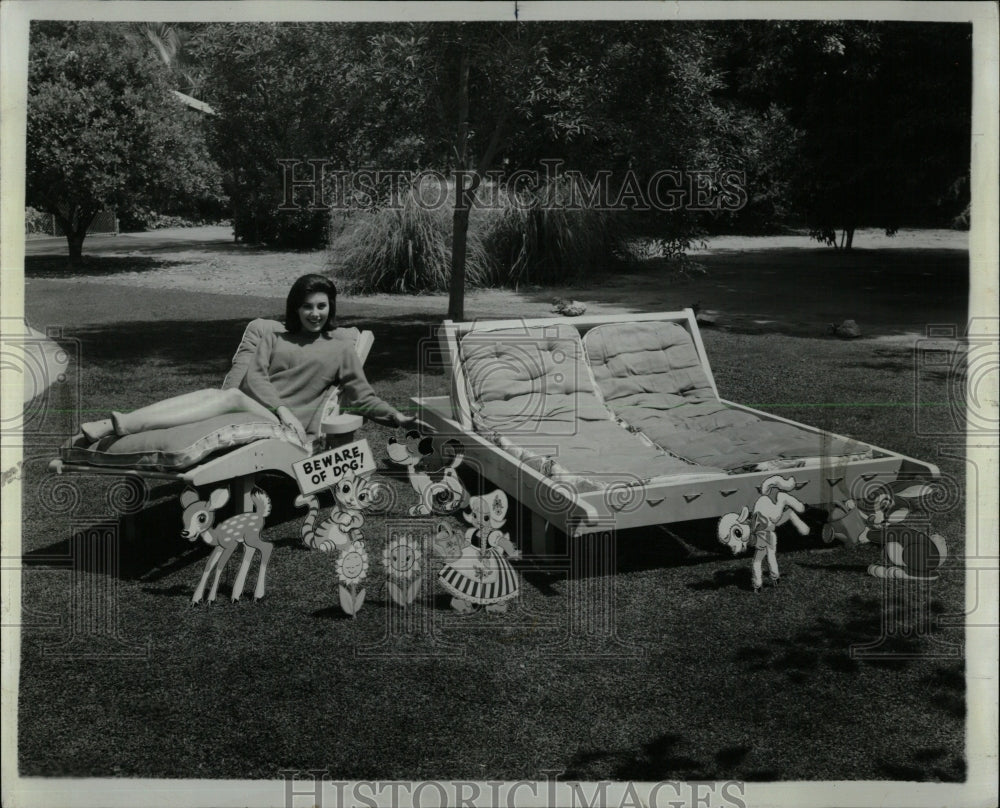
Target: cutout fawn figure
<point>244,528</point>
<point>352,495</point>
<point>440,494</point>
<point>737,530</point>
<point>481,575</point>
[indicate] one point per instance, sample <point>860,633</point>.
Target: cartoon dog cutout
<point>479,575</point>
<point>738,530</point>
<point>440,494</point>
<point>352,495</point>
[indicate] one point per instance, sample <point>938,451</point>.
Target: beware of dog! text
<point>326,469</point>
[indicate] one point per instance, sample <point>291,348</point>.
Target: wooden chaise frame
<point>237,468</point>
<point>555,505</point>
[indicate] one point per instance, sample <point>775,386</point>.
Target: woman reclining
<point>287,382</point>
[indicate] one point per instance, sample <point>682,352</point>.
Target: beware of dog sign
<point>327,468</point>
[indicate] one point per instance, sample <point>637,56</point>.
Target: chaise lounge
<point>615,422</point>
<point>227,449</point>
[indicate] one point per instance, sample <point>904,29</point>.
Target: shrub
<point>404,249</point>
<point>37,222</point>
<point>304,229</point>
<point>536,239</point>
<point>550,238</point>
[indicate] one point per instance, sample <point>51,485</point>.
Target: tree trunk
<point>460,221</point>
<point>75,241</point>
<point>75,227</point>
<point>456,299</point>
<point>850,237</point>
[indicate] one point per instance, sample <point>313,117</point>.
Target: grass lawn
<point>702,679</point>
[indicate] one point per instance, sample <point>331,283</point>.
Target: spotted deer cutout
<point>244,528</point>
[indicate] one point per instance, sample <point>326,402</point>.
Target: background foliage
<point>835,125</point>
<point>105,131</point>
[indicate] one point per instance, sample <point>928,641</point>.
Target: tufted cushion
<point>651,377</point>
<point>531,392</point>
<point>176,448</point>
<point>516,378</point>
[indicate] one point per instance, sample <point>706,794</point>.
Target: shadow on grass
<point>208,345</point>
<point>58,267</point>
<point>153,549</point>
<point>888,633</point>
<point>662,758</point>
<point>156,551</point>
<point>929,765</point>
<point>797,290</point>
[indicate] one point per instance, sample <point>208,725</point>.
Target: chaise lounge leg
<point>241,488</point>
<point>542,540</point>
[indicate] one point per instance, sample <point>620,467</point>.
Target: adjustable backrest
<point>522,378</point>
<point>649,358</point>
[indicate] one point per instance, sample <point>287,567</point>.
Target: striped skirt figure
<point>482,577</point>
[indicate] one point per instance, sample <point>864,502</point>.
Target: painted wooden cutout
<point>341,531</point>
<point>352,569</point>
<point>846,523</point>
<point>198,519</point>
<point>911,555</point>
<point>352,495</point>
<point>890,507</point>
<point>477,572</point>
<point>441,492</point>
<point>738,530</point>
<point>402,561</point>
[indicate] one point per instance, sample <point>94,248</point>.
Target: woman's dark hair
<point>301,289</point>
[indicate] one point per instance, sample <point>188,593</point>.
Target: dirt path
<point>791,284</point>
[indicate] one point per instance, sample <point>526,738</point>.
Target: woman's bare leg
<point>183,409</point>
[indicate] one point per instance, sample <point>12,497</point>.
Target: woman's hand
<point>289,419</point>
<point>404,420</point>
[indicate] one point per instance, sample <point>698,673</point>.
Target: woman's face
<point>314,312</point>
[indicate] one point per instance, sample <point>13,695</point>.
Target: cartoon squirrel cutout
<point>476,571</point>
<point>738,530</point>
<point>441,492</point>
<point>352,496</point>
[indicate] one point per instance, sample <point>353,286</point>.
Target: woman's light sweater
<point>296,370</point>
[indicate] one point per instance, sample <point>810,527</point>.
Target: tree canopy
<point>831,125</point>
<point>883,115</point>
<point>105,130</point>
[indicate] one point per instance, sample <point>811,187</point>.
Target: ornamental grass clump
<point>407,248</point>
<point>550,236</point>
<point>544,236</point>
